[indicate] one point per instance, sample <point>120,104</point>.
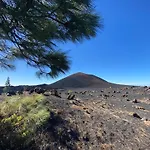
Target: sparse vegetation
<point>69,91</point>
<point>29,122</point>
<point>20,117</point>
<point>38,122</point>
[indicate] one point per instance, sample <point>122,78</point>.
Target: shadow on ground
<point>56,133</point>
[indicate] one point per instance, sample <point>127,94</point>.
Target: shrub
<point>30,123</point>
<point>20,117</point>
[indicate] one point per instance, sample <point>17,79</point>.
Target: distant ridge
<point>77,80</point>
<point>82,80</point>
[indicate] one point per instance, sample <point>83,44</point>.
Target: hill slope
<point>77,80</point>
<point>82,80</point>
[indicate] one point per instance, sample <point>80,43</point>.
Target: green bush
<point>31,123</point>
<point>20,117</point>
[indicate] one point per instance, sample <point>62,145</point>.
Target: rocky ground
<point>107,119</point>
<point>99,119</point>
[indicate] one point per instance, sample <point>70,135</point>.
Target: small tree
<point>7,86</point>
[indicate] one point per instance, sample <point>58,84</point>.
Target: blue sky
<point>120,53</point>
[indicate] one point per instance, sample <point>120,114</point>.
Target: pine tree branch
<point>2,4</point>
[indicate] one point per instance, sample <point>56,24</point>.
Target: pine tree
<point>7,86</point>
<point>31,29</point>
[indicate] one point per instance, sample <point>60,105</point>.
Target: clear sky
<point>120,53</point>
